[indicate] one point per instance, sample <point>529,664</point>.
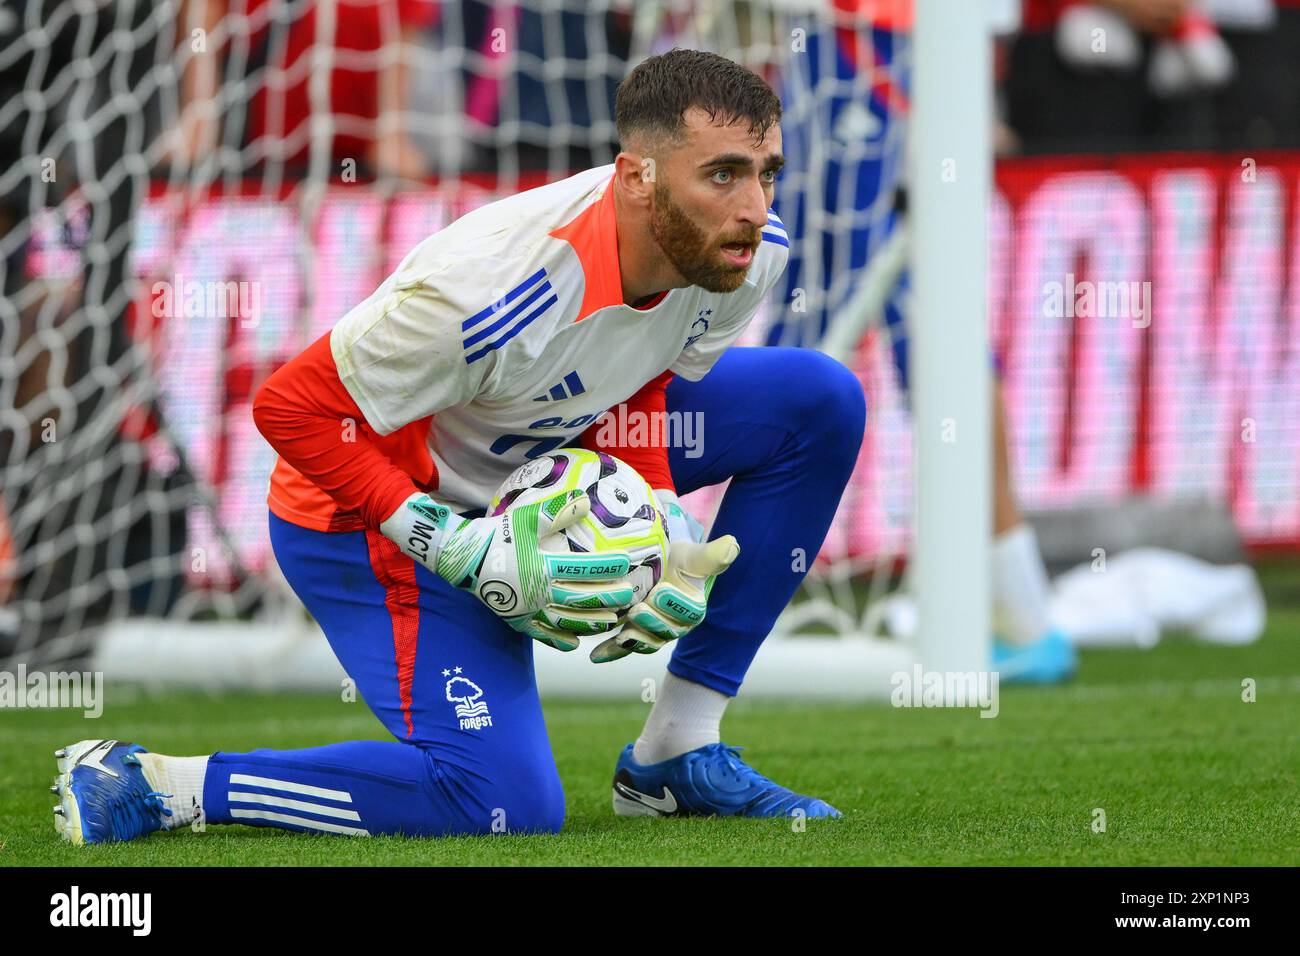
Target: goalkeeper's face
<point>711,196</point>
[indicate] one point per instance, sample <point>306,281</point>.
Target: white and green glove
<point>682,525</point>
<point>551,595</point>
<point>679,601</point>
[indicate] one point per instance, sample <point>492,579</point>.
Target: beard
<point>689,250</point>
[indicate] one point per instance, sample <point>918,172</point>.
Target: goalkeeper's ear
<point>634,174</point>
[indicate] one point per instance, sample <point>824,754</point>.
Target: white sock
<point>1020,589</point>
<point>685,716</point>
<point>180,779</point>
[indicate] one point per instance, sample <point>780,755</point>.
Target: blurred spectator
<point>1260,108</point>
<point>261,57</point>
<point>569,119</point>
<point>1115,75</point>
<point>540,84</point>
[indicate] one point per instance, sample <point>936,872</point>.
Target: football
<point>624,515</point>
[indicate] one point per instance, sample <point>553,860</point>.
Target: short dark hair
<point>655,96</point>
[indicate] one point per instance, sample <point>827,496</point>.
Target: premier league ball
<point>624,515</point>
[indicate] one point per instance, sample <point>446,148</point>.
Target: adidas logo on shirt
<point>569,388</point>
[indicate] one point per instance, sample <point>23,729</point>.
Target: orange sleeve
<point>303,410</point>
<point>650,459</point>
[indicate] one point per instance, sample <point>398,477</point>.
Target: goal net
<point>193,190</point>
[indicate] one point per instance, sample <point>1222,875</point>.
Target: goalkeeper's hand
<point>680,600</point>
<point>551,595</point>
<point>681,524</point>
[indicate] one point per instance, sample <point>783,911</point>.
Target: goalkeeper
<point>502,337</point>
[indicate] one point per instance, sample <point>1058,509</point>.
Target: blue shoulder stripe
<point>514,330</point>
<point>509,317</point>
<point>506,299</point>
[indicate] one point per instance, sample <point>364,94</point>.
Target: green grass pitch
<point>1186,772</point>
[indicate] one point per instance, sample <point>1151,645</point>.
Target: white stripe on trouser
<point>241,814</point>
<point>270,800</point>
<point>285,803</point>
<point>342,796</point>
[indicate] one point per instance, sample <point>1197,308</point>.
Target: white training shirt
<point>508,327</point>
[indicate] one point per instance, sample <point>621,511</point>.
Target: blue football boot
<point>103,793</point>
<point>708,781</point>
<point>1049,660</point>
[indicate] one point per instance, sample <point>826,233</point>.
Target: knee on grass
<point>522,797</point>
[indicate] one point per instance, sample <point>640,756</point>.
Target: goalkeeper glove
<point>682,525</point>
<point>550,595</point>
<point>679,601</point>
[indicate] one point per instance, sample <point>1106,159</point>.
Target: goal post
<point>950,181</point>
